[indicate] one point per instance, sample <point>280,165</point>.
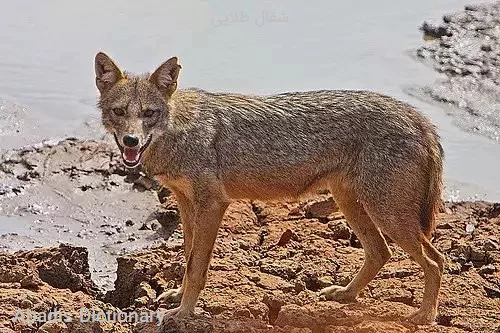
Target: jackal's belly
<point>274,184</point>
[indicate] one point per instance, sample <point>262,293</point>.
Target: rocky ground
<point>465,48</point>
<point>269,263</point>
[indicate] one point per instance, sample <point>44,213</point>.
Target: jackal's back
<point>330,128</point>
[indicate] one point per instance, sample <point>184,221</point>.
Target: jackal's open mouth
<point>132,156</point>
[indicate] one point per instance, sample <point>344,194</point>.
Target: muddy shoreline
<point>465,49</point>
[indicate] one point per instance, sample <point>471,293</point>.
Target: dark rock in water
<point>486,47</point>
<point>435,31</point>
<point>476,7</point>
<point>145,226</point>
<point>447,18</point>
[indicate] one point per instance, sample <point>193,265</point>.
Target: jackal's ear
<point>106,72</point>
<point>165,76</point>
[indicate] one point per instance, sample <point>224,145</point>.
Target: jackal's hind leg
<point>375,247</point>
<point>406,232</point>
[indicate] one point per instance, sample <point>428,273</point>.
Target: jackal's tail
<point>433,201</point>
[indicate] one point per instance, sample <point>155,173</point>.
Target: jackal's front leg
<point>186,211</point>
<point>208,216</point>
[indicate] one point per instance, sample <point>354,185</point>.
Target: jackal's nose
<point>130,141</point>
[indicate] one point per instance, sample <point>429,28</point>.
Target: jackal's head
<point>134,107</point>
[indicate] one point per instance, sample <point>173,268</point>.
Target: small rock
<point>31,282</point>
<point>285,238</point>
<point>242,313</point>
<point>424,53</point>
<point>295,315</point>
<point>155,225</point>
<point>320,209</point>
<point>491,244</point>
<point>487,269</point>
<point>325,281</point>
<point>466,266</point>
<point>53,327</point>
<point>188,324</point>
<point>340,229</point>
<point>145,290</point>
<point>434,31</point>
<point>144,226</point>
<point>26,304</point>
<point>129,223</point>
<point>486,48</point>
<point>274,300</point>
<point>477,255</point>
<point>470,227</point>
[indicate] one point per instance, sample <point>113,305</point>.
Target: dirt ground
<point>270,261</point>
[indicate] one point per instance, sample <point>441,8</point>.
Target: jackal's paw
<point>421,317</point>
<point>337,293</point>
<point>172,316</point>
<point>170,296</point>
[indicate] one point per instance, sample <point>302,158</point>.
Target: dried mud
<point>270,261</point>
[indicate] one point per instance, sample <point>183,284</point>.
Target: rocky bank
<point>465,48</point>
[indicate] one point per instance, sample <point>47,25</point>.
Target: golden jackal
<point>380,158</point>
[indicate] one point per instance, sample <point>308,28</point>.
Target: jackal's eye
<point>118,112</point>
<point>149,113</point>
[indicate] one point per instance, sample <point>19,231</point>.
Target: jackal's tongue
<point>130,154</point>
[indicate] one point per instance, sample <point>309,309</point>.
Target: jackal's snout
<point>132,148</point>
<point>130,140</point>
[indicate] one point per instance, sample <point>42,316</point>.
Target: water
<point>47,75</point>
<point>13,224</point>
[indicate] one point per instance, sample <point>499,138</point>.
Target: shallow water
<point>46,64</point>
<point>12,224</point>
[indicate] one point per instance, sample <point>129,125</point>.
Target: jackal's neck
<point>184,107</point>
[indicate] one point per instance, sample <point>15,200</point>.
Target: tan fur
<point>380,158</point>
